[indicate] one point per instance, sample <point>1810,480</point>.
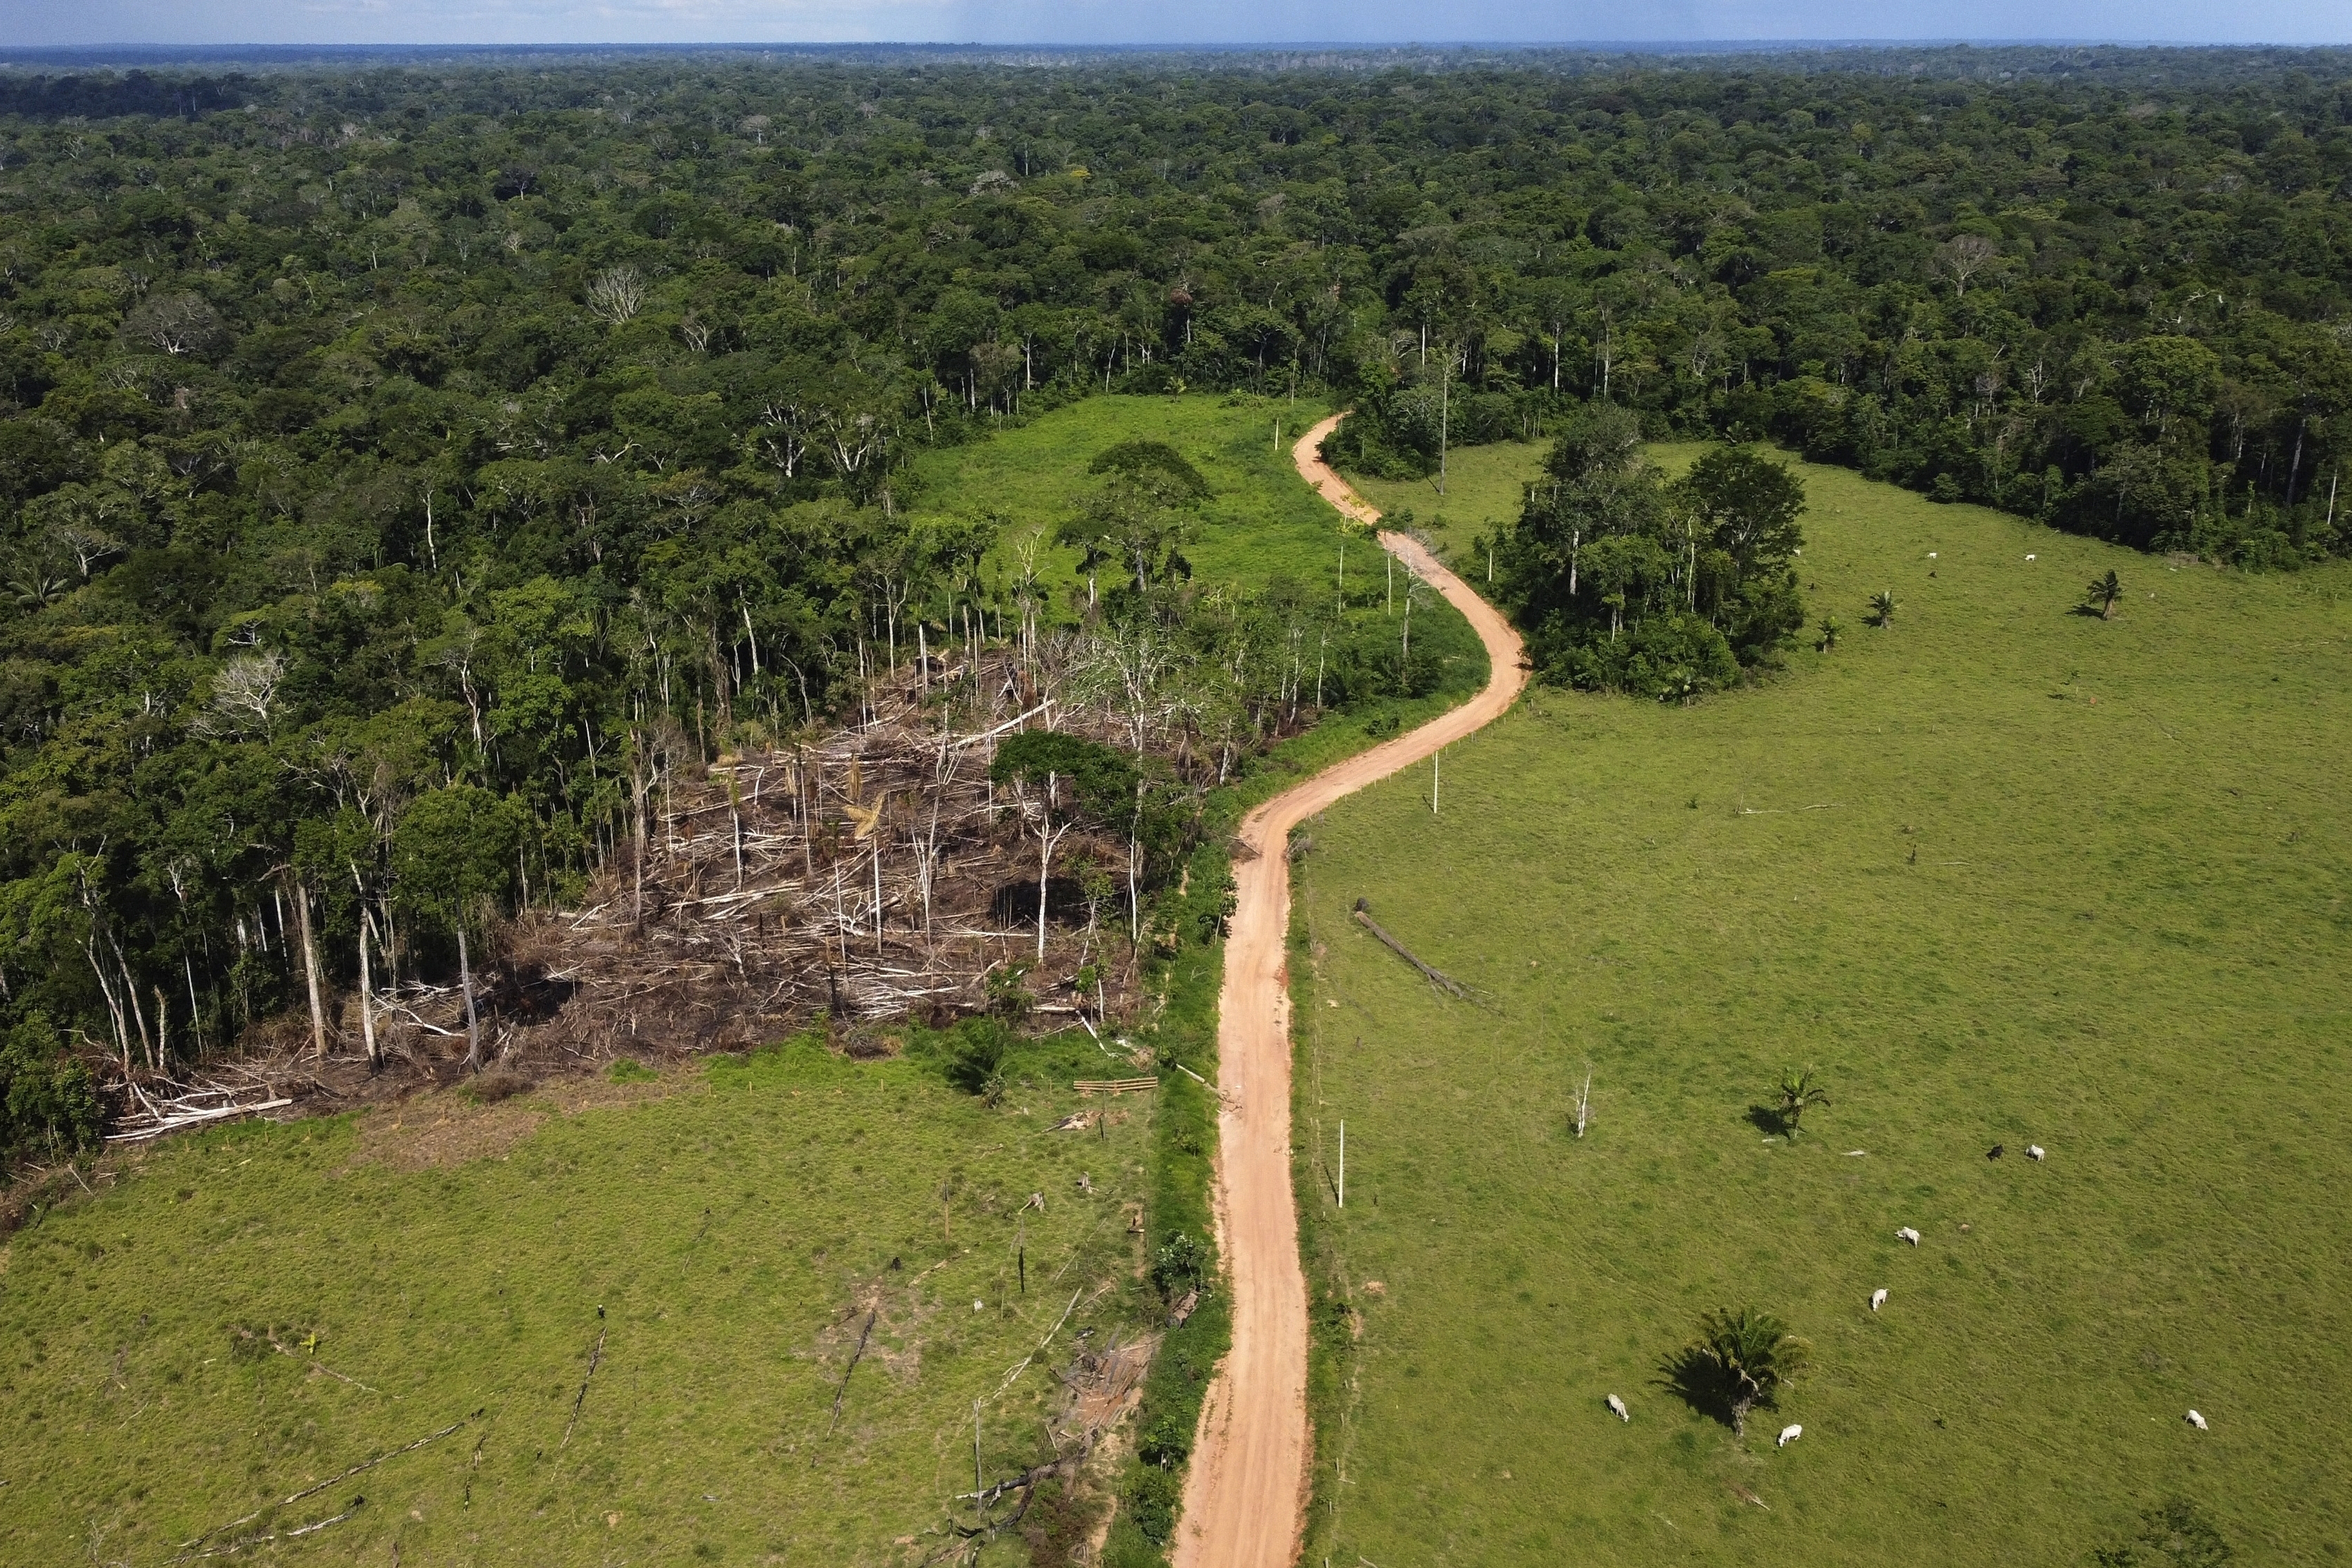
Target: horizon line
<point>1220,46</point>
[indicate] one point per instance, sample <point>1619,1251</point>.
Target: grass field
<point>732,1226</point>
<point>2006,874</point>
<point>1258,521</point>
<point>1482,496</point>
<point>450,1258</point>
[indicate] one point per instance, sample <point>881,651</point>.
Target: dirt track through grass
<point>2006,874</point>
<point>1243,1493</point>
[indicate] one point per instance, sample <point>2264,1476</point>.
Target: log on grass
<point>1436,977</point>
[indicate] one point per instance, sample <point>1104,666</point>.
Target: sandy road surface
<point>1245,1497</point>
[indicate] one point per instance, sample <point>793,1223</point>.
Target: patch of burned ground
<point>441,1128</point>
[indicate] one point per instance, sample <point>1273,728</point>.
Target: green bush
<point>1180,1265</point>
<point>627,1070</point>
<point>1168,1445</point>
<point>48,1100</point>
<point>976,1049</point>
<point>1152,1499</point>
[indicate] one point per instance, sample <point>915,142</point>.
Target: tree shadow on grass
<point>1765,1119</point>
<point>1691,1377</point>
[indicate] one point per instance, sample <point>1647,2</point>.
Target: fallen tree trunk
<point>1436,977</point>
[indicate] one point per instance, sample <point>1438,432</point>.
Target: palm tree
<point>1741,1358</point>
<point>2104,592</point>
<point>1882,609</point>
<point>1797,1090</point>
<point>1830,629</point>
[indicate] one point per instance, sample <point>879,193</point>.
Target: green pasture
<point>1480,496</point>
<point>1258,523</point>
<point>734,1230</point>
<point>2005,873</point>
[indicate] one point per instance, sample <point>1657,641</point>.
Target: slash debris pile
<point>878,874</point>
<point>873,873</point>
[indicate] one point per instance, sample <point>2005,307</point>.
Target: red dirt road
<point>1245,1497</point>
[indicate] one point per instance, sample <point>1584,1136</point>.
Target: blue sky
<point>25,22</point>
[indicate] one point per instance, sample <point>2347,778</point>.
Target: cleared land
<point>2006,874</point>
<point>444,1261</point>
<point>1258,521</point>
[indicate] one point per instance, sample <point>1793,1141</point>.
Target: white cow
<point>2197,1421</point>
<point>2036,1151</point>
<point>1877,1298</point>
<point>1617,1408</point>
<point>1907,1234</point>
<point>1789,1434</point>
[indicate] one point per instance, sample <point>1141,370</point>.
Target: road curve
<point>1244,1498</point>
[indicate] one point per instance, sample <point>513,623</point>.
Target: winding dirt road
<point>1244,1498</point>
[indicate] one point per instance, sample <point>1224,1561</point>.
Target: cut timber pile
<point>1115,1085</point>
<point>161,1105</point>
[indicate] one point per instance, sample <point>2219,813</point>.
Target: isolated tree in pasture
<point>1830,628</point>
<point>1797,1090</point>
<point>1739,1359</point>
<point>1882,609</point>
<point>2104,592</point>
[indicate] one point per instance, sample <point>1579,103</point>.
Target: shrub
<point>975,1056</point>
<point>2174,1534</point>
<point>1152,1499</point>
<point>1180,1264</point>
<point>48,1102</point>
<point>1168,1445</point>
<point>628,1070</point>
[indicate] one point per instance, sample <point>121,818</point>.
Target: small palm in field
<point>1830,629</point>
<point>1882,609</point>
<point>1798,1091</point>
<point>2104,592</point>
<point>1741,1358</point>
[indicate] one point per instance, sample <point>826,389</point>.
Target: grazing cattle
<point>1907,1234</point>
<point>1617,1408</point>
<point>1789,1434</point>
<point>1877,1298</point>
<point>1996,1152</point>
<point>2197,1421</point>
<point>2035,1151</point>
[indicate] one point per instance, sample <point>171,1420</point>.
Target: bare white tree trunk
<point>310,971</point>
<point>473,1019</point>
<point>367,987</point>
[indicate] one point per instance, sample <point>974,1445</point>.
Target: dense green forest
<point>374,435</point>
